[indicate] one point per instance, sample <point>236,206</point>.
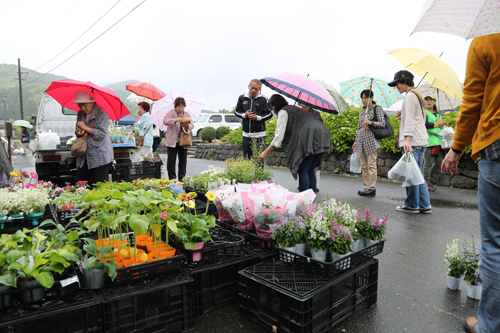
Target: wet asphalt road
<point>412,291</point>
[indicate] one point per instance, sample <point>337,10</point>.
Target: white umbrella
<point>443,101</point>
<point>396,106</point>
<point>339,101</point>
<point>138,99</point>
<point>465,18</point>
<point>161,107</point>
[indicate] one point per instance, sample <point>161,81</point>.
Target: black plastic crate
<point>137,170</point>
<point>61,310</point>
<point>330,268</point>
<point>163,304</point>
<point>216,279</point>
<point>250,236</point>
<point>255,248</point>
<point>224,242</point>
<point>274,294</point>
<point>64,216</point>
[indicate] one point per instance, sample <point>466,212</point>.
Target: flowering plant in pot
<point>318,232</point>
<point>289,231</point>
<point>69,197</point>
<point>373,229</point>
<point>472,256</point>
<point>341,240</point>
<point>454,261</point>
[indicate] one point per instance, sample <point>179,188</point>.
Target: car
<point>215,120</point>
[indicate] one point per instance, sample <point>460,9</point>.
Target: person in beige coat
<point>413,139</point>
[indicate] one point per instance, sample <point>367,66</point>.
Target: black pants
<point>92,176</point>
<point>172,156</point>
<point>156,143</point>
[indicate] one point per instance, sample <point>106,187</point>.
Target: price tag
<point>69,281</point>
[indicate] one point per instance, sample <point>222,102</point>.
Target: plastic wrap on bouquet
<point>222,193</point>
<point>303,199</point>
<point>233,204</point>
<point>268,209</point>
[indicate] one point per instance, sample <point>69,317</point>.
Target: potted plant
<point>318,232</point>
<point>372,229</point>
<point>290,233</point>
<point>97,263</point>
<point>9,254</point>
<point>471,256</point>
<point>43,252</point>
<point>341,241</point>
<point>454,262</point>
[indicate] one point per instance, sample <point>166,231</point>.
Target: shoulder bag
<point>185,138</point>
<point>139,140</point>
<point>381,132</point>
<point>79,147</point>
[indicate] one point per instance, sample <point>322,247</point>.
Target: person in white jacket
<point>413,139</point>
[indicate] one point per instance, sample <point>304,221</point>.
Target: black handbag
<point>382,132</point>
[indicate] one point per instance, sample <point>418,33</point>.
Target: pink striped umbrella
<point>302,89</point>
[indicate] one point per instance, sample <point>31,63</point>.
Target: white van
<point>215,120</point>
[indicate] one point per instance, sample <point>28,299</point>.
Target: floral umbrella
<point>443,100</point>
<point>384,95</point>
<point>465,18</point>
<point>161,107</point>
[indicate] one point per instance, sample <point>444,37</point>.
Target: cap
<point>430,96</point>
<point>398,76</point>
<point>83,96</point>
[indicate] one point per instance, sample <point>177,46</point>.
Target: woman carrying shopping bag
<point>365,145</point>
<point>412,138</point>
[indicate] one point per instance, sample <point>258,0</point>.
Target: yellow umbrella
<point>431,68</point>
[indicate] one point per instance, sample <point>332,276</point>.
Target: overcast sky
<point>214,48</point>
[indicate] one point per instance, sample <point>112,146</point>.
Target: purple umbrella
<point>302,89</point>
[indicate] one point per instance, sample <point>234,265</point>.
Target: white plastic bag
<point>447,135</point>
<point>406,170</point>
<point>234,205</point>
<point>413,173</point>
<point>48,140</point>
<point>398,171</point>
<point>355,163</point>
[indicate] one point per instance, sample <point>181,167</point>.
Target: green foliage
<point>225,111</point>
<point>235,136</point>
<point>245,171</point>
<point>450,120</point>
<point>208,134</point>
<point>222,131</point>
<point>342,128</point>
<point>270,129</point>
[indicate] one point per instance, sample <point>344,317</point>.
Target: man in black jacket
<point>253,109</point>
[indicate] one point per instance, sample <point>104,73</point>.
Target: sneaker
<point>405,209</point>
<point>431,187</point>
<point>367,192</point>
<point>426,211</point>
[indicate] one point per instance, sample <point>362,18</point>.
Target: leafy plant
<point>471,256</point>
<point>453,259</point>
<point>289,231</point>
<point>208,134</point>
<point>235,136</point>
<point>193,229</point>
<point>222,131</point>
<point>99,258</point>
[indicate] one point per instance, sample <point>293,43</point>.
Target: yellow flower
<point>180,209</point>
<point>211,196</point>
<point>191,204</point>
<point>181,196</point>
<point>193,194</point>
<point>20,180</point>
<point>15,174</point>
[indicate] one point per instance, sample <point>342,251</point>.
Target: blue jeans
<point>489,217</point>
<point>417,197</point>
<point>246,144</point>
<point>307,175</point>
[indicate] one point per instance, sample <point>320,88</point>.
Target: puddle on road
<point>445,203</point>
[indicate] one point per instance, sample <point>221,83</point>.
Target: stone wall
<point>340,163</point>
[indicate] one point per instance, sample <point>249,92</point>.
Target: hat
<point>400,75</point>
<point>430,96</point>
<point>83,96</point>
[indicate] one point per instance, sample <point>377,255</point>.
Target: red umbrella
<point>63,91</point>
<point>146,90</point>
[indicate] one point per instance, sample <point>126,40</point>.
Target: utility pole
<point>4,103</point>
<point>20,87</point>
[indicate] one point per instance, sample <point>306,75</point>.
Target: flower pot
<point>119,262</point>
<point>197,255</point>
<point>454,283</point>
<point>474,291</point>
<point>5,300</point>
<point>35,215</point>
<point>133,261</point>
<point>94,279</point>
<point>33,294</point>
<point>319,255</point>
<point>285,257</point>
<point>300,249</point>
<point>341,264</point>
<point>359,244</point>
<point>370,242</point>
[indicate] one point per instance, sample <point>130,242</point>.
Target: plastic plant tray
<point>137,170</point>
<point>250,235</point>
<point>330,268</point>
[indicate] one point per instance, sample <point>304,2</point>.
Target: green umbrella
<point>22,123</point>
